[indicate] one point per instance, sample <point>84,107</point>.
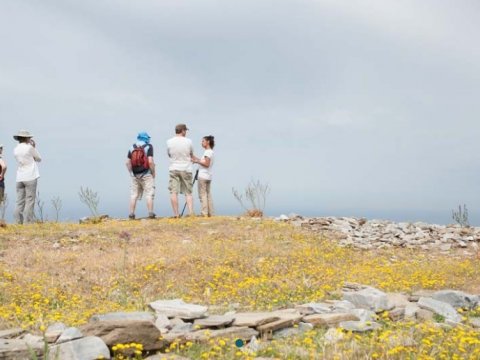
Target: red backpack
<point>139,159</point>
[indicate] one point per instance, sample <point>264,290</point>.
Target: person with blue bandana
<point>141,167</point>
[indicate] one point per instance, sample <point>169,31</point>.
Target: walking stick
<point>195,178</point>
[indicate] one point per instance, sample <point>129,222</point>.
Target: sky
<point>344,108</point>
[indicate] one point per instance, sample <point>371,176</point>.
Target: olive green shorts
<point>180,182</point>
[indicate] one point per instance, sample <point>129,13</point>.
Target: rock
<point>292,331</point>
<point>11,333</point>
<point>397,300</point>
<point>475,322</point>
<point>15,349</point>
<point>178,308</point>
<point>368,298</point>
<point>236,332</point>
<point>423,314</point>
<point>411,311</point>
<point>363,315</point>
<point>341,305</point>
<point>396,314</point>
<point>122,332</point>
<point>314,308</point>
<point>88,348</point>
<point>286,320</point>
<point>328,320</point>
<point>359,326</point>
<point>254,319</point>
<point>135,315</point>
<point>440,308</point>
<point>420,293</point>
<point>163,323</point>
<point>54,331</point>
<point>458,299</point>
<point>69,334</point>
<point>213,321</point>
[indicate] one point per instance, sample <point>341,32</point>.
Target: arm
<point>151,165</point>
<point>204,162</point>
<point>128,163</point>
<point>4,169</point>
<point>36,154</point>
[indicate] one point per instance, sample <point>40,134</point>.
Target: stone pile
<point>376,234</point>
<point>176,321</point>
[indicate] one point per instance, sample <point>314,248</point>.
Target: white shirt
<point>179,150</point>
<point>27,157</point>
<point>205,173</point>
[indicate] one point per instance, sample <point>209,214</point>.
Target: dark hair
<point>211,140</point>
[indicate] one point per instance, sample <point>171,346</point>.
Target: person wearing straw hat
<point>27,158</point>
<point>3,170</point>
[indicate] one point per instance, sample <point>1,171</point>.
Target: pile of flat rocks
<point>169,321</point>
<point>374,234</point>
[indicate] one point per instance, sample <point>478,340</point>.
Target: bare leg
<point>189,199</point>
<point>133,204</point>
<point>174,201</point>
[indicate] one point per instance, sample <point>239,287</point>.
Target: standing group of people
<point>141,166</point>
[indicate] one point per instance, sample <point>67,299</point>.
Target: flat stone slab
<point>213,321</point>
<point>69,334</point>
<point>329,320</point>
<point>14,349</point>
<point>254,319</point>
<point>88,348</point>
<point>235,332</point>
<point>458,299</point>
<point>178,308</point>
<point>286,320</point>
<point>368,298</point>
<point>123,332</point>
<point>134,315</point>
<point>359,326</point>
<point>440,308</point>
<point>11,333</point>
<point>314,308</point>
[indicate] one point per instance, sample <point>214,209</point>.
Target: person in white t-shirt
<point>180,152</point>
<point>205,175</point>
<point>27,158</point>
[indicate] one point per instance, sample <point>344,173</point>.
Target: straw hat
<point>22,134</point>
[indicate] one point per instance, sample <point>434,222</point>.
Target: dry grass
<point>67,272</point>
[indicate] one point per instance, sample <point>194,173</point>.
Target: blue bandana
<point>143,136</point>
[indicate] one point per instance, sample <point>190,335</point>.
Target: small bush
<point>253,199</point>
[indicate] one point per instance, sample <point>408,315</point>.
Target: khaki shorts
<point>144,185</point>
<point>2,193</point>
<point>180,182</point>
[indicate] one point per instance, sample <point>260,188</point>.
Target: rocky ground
<point>378,234</point>
<point>172,321</point>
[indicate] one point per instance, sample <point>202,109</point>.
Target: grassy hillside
<point>67,272</point>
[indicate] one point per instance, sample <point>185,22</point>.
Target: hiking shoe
<point>151,216</point>
<point>131,216</point>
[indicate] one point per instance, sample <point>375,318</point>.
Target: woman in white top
<point>27,175</point>
<point>205,175</point>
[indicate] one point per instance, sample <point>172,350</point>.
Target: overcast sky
<point>352,108</point>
